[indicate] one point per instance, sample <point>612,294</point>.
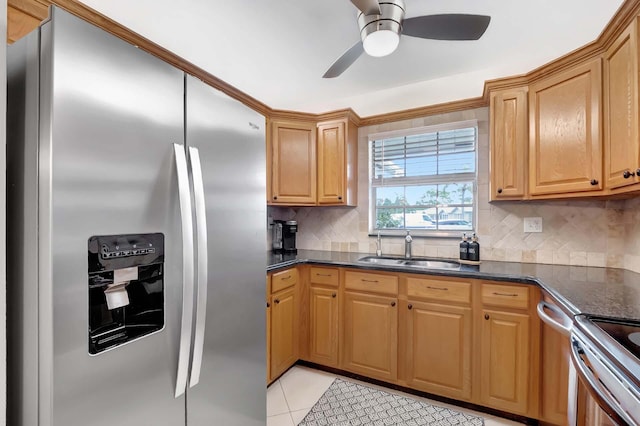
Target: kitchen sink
<point>410,263</point>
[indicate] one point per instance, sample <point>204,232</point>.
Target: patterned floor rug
<point>350,404</point>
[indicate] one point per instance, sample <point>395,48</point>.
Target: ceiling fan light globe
<point>381,43</point>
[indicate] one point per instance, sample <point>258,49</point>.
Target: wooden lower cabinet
<point>504,361</point>
<point>438,353</point>
<point>370,335</point>
<point>323,326</point>
<point>284,331</point>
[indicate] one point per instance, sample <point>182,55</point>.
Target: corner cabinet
<point>565,147</point>
<point>509,142</point>
<point>312,164</point>
<point>621,109</point>
<point>337,163</point>
<point>292,165</point>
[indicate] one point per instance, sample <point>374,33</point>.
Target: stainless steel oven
<point>605,372</point>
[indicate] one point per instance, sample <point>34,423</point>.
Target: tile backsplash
<point>575,232</point>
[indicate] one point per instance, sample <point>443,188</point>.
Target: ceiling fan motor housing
<point>390,19</point>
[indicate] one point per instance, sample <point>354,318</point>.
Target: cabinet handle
<point>268,305</point>
<point>275,197</point>
<point>322,275</point>
<point>627,174</point>
<point>499,190</point>
<point>276,301</point>
<point>368,281</point>
<point>410,306</point>
<point>333,295</point>
<point>340,198</point>
<point>638,172</point>
<point>437,288</point>
<point>486,316</point>
<point>286,278</point>
<point>594,182</point>
<point>495,293</point>
<point>393,303</point>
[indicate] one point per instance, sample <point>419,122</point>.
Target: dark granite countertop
<point>605,292</point>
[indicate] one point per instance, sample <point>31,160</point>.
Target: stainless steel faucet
<point>378,246</point>
<point>407,246</point>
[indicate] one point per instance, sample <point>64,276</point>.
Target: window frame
<point>434,180</point>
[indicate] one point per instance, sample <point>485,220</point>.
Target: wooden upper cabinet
<point>337,168</point>
<point>621,144</point>
<point>509,142</point>
<point>565,147</point>
<point>24,17</point>
<point>293,163</point>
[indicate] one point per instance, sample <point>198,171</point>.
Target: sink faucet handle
<point>407,245</point>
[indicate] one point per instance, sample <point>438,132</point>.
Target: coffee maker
<point>284,236</point>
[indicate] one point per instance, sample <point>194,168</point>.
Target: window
<point>424,180</point>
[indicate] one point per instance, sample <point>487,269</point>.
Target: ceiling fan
<point>382,21</point>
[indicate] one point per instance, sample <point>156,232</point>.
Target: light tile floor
<point>290,398</point>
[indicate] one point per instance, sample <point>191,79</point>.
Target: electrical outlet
<point>532,224</point>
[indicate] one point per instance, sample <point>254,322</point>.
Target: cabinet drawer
<point>376,283</point>
<point>283,279</point>
<point>451,291</point>
<point>505,296</point>
<point>328,276</point>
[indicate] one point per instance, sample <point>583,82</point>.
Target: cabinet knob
<point>276,301</point>
<point>410,306</point>
<point>393,303</point>
<point>268,304</point>
<point>499,190</point>
<point>340,198</point>
<point>486,316</point>
<point>333,295</point>
<point>638,172</point>
<point>275,197</point>
<point>594,182</point>
<point>627,174</point>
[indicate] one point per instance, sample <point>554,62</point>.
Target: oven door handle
<point>563,328</point>
<point>597,389</point>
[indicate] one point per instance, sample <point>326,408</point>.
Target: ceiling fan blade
<point>344,61</point>
<point>446,27</point>
<point>368,7</point>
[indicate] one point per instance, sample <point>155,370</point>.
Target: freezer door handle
<point>202,279</point>
<point>184,195</point>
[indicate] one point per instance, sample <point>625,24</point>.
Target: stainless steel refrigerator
<point>136,219</point>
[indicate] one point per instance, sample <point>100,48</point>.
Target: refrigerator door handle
<point>184,194</point>
<point>201,232</point>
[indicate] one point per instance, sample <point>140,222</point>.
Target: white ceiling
<point>277,50</point>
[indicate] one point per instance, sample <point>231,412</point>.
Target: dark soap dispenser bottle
<point>464,248</point>
<point>474,249</point>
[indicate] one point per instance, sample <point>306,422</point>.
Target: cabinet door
<point>370,335</point>
<point>323,345</point>
<point>504,354</point>
<point>565,150</point>
<point>439,349</point>
<point>293,163</point>
<point>284,331</point>
<point>509,143</point>
<point>331,163</point>
<point>621,144</point>
<point>268,323</point>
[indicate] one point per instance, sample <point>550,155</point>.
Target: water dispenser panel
<point>126,288</point>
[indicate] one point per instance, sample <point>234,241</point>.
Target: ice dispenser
<point>126,288</point>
